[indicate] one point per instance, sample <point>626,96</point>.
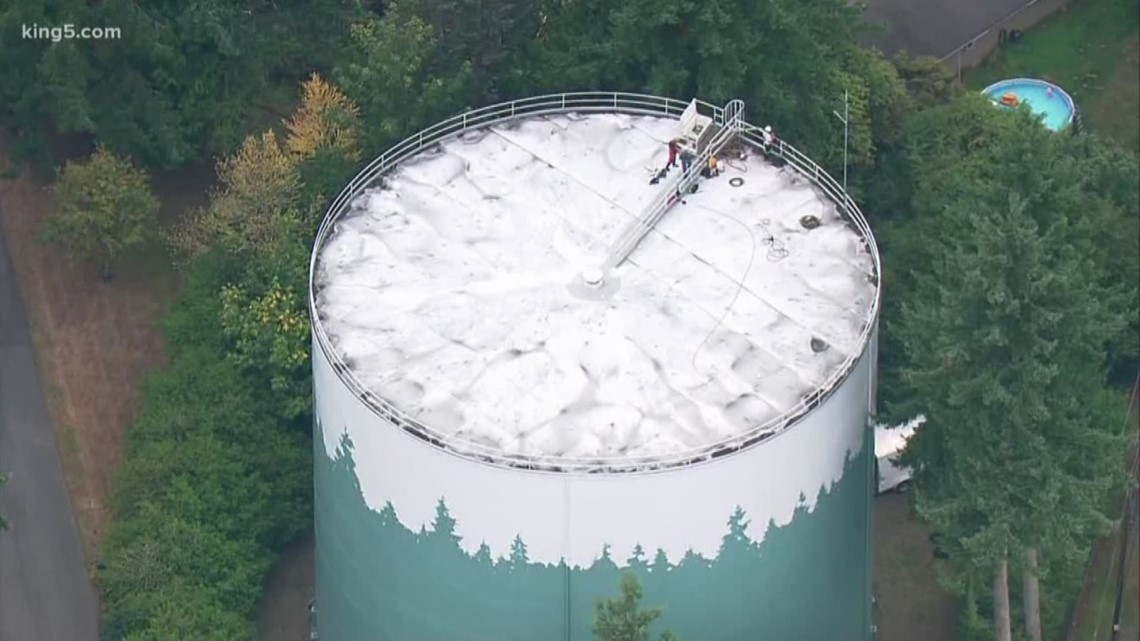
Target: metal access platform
<point>700,135</point>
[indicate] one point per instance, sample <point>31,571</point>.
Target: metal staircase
<point>729,123</point>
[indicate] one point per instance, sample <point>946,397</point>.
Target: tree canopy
<point>998,331</point>
<point>1011,253</point>
<point>623,618</point>
<point>103,207</point>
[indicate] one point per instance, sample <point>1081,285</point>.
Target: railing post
<point>563,102</point>
<point>513,109</point>
<point>615,101</point>
<point>464,120</point>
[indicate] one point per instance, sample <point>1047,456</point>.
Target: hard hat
<point>768,128</point>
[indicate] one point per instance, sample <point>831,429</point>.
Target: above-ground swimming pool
<point>1046,99</point>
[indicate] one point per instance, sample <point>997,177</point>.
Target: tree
<point>723,49</point>
<point>324,139</point>
<point>103,207</point>
<point>964,156</point>
<point>518,555</point>
<point>927,80</point>
<point>260,193</point>
<point>1004,337</point>
<point>443,526</point>
<point>489,37</point>
<point>966,152</point>
<point>402,95</point>
<point>660,563</point>
<point>637,562</point>
<point>269,332</point>
<point>187,77</point>
<point>623,619</point>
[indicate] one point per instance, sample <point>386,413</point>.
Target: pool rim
<point>993,88</point>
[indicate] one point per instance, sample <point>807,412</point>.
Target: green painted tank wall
<point>379,581</point>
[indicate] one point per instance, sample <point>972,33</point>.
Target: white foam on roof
<point>446,292</point>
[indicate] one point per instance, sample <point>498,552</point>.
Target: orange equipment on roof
<point>1010,99</point>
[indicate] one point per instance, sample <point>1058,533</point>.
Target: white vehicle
<point>889,443</point>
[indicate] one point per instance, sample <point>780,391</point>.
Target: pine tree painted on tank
<point>411,576</point>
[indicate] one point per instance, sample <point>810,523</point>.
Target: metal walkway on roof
<point>722,133</point>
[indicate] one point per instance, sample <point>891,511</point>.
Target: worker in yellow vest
<point>713,168</point>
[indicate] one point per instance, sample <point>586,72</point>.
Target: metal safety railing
<point>581,102</point>
<point>631,236</point>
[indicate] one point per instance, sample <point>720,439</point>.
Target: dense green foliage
<point>623,618</point>
<point>218,472</point>
<point>180,83</point>
<point>103,208</point>
<point>998,332</point>
<point>1014,249</point>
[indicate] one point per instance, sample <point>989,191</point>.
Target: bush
<point>211,486</point>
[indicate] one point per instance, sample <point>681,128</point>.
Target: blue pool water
<point>1045,99</point>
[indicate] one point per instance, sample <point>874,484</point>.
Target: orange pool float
<point>1010,100</point>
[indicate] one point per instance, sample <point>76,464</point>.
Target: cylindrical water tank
<point>496,445</point>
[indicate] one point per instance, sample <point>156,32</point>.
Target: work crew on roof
<point>713,168</point>
<point>687,159</point>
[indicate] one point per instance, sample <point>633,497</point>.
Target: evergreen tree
<point>518,556</point>
<point>623,619</point>
<point>737,526</point>
<point>483,556</point>
<point>404,94</point>
<point>491,37</point>
<point>443,527</point>
<point>388,514</point>
<point>637,562</point>
<point>1004,344</point>
<point>187,76</point>
<point>660,564</point>
<point>723,49</point>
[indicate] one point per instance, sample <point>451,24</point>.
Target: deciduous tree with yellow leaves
<point>271,195</point>
<point>267,185</point>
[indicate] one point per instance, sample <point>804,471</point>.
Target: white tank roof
<point>449,291</point>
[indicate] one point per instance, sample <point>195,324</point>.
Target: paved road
<point>45,594</point>
<point>934,27</point>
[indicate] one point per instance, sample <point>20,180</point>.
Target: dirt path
<point>912,605</point>
<point>283,614</point>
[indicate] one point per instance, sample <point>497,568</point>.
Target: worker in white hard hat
<point>769,137</point>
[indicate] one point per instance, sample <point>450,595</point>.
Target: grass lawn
<point>1092,50</point>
